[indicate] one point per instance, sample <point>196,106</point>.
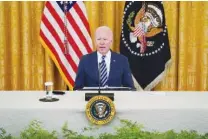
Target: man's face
<point>103,40</point>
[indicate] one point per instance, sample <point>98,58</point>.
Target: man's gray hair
<point>104,28</point>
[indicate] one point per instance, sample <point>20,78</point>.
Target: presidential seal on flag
<point>144,40</point>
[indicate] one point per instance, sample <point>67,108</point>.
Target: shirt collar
<point>108,55</point>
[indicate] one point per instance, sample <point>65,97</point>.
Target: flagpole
<point>66,51</point>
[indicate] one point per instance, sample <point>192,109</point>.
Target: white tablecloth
<point>160,111</point>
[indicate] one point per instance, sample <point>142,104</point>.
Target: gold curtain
<point>24,64</point>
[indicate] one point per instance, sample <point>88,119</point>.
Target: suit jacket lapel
<point>95,66</point>
<point>112,66</point>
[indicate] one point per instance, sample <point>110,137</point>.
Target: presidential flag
<point>144,40</point>
<point>65,35</point>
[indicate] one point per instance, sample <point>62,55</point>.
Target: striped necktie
<point>103,72</point>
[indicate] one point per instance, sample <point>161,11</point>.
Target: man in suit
<point>103,67</point>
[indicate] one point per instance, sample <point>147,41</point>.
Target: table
<point>159,111</point>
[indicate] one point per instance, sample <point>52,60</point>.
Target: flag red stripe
<point>78,31</point>
<point>52,31</point>
<point>52,49</point>
<point>56,37</point>
<point>61,24</point>
<point>82,16</point>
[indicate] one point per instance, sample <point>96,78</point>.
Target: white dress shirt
<point>107,60</point>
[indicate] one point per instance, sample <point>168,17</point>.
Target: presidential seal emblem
<point>144,26</point>
<point>100,110</point>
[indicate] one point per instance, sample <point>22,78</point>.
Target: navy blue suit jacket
<point>88,75</point>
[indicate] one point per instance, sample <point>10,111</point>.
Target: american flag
<point>65,34</point>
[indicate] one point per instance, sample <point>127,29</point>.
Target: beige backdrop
<point>24,64</point>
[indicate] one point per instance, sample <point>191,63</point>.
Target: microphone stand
<point>88,96</point>
<point>99,90</point>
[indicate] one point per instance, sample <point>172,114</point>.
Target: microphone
<point>88,96</point>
